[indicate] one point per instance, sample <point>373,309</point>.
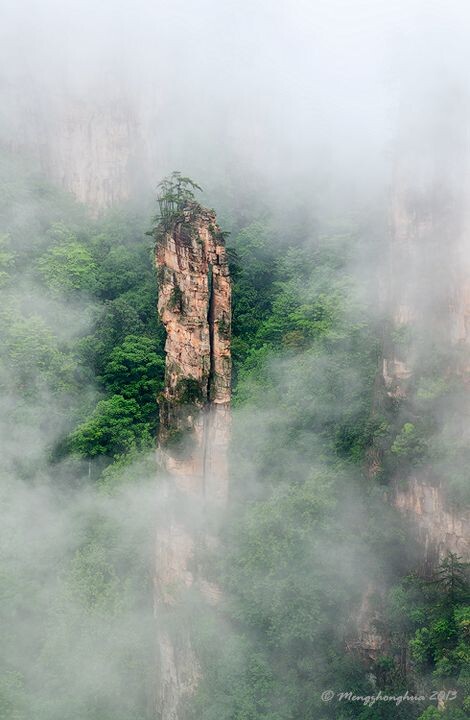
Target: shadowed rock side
<point>195,307</point>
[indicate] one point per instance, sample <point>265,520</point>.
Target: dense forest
<point>308,526</point>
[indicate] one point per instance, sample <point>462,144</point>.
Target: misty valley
<point>234,403</point>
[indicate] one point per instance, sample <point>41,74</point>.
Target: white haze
<point>286,96</point>
<point>281,93</point>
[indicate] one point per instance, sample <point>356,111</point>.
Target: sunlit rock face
<point>195,307</point>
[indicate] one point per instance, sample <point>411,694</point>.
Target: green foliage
<point>433,616</point>
<point>7,259</point>
<point>175,193</point>
<point>253,273</point>
<point>136,369</point>
<point>69,267</point>
<point>77,314</point>
<point>176,298</point>
<point>189,391</point>
<point>409,444</point>
<point>32,354</point>
<point>177,190</point>
<point>451,578</point>
<point>12,702</point>
<point>285,605</point>
<point>93,580</point>
<point>431,713</point>
<point>306,528</point>
<point>90,652</point>
<point>116,427</point>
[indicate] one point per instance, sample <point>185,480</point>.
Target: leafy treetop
<point>175,193</point>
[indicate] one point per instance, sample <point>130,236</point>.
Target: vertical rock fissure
<point>210,322</point>
<point>210,377</point>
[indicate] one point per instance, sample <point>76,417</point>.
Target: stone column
<point>195,307</point>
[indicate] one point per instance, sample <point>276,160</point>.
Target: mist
<point>303,122</point>
<point>290,97</point>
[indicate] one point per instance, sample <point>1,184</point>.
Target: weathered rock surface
<point>89,146</point>
<point>366,640</point>
<point>195,307</point>
<point>440,528</point>
<point>92,152</point>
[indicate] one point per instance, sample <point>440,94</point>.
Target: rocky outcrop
<point>439,527</point>
<point>195,307</point>
<point>366,641</point>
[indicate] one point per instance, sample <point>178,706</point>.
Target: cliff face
<point>195,307</point>
<point>92,151</point>
<point>429,304</point>
<point>91,146</point>
<point>440,529</point>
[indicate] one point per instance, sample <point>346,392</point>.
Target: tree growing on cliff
<point>175,192</point>
<point>451,579</point>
